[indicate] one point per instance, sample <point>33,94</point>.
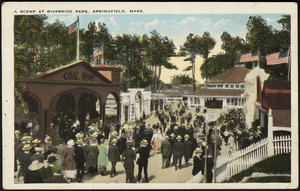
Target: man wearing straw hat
<point>79,159</point>
<point>178,151</point>
<point>113,156</point>
<point>128,158</point>
<point>186,149</point>
<point>33,174</point>
<point>143,154</point>
<point>24,159</point>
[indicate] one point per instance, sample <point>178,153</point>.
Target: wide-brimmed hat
<point>26,147</point>
<point>79,142</point>
<point>94,135</point>
<point>71,142</point>
<point>178,137</point>
<point>113,141</point>
<point>172,135</point>
<point>79,135</point>
<point>186,136</point>
<point>198,150</point>
<point>35,165</point>
<point>16,132</point>
<point>36,141</point>
<point>25,138</point>
<point>144,142</point>
<point>52,159</point>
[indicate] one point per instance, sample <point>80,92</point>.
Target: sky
<point>175,26</point>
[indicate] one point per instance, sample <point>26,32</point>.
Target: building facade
<point>224,91</point>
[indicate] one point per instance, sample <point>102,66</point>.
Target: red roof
<point>277,58</point>
<point>250,57</point>
<point>101,66</point>
<point>234,75</point>
<point>106,68</point>
<point>220,92</point>
<point>276,95</point>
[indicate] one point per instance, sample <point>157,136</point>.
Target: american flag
<point>278,58</point>
<point>72,28</point>
<point>250,57</point>
<point>97,52</point>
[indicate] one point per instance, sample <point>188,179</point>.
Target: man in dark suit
<point>178,151</point>
<point>79,159</point>
<point>128,157</point>
<point>143,154</point>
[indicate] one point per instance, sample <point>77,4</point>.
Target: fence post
<point>270,134</point>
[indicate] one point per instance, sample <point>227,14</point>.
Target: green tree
<point>158,52</point>
<point>196,45</point>
<point>216,64</point>
<point>129,55</point>
<point>182,79</point>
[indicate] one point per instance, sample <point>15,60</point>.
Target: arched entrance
<point>79,98</point>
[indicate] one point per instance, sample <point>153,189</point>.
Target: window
<point>220,86</point>
<point>242,86</point>
<point>226,86</point>
<point>231,86</point>
<point>237,86</point>
<point>228,101</point>
<point>191,100</point>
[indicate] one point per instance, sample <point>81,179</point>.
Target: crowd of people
<point>60,161</point>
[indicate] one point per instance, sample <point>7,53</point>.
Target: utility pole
<point>215,155</point>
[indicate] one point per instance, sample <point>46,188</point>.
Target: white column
<point>270,134</point>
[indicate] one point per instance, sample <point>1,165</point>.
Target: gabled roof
<point>278,58</point>
<point>276,95</point>
<point>67,67</point>
<point>234,75</point>
<point>220,92</point>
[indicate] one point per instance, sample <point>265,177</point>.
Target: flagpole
<point>77,47</point>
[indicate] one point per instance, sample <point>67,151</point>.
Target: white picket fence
<point>282,145</point>
<point>242,159</point>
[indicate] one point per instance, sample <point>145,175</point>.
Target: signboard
<point>210,117</point>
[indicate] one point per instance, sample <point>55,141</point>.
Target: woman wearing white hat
<point>69,161</point>
<point>34,175</point>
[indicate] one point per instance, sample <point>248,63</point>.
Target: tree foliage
<point>196,45</point>
<point>182,79</point>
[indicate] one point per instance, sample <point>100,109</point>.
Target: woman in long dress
<point>102,158</point>
<point>69,161</point>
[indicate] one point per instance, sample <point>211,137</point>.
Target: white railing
<point>243,159</point>
<point>282,144</point>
